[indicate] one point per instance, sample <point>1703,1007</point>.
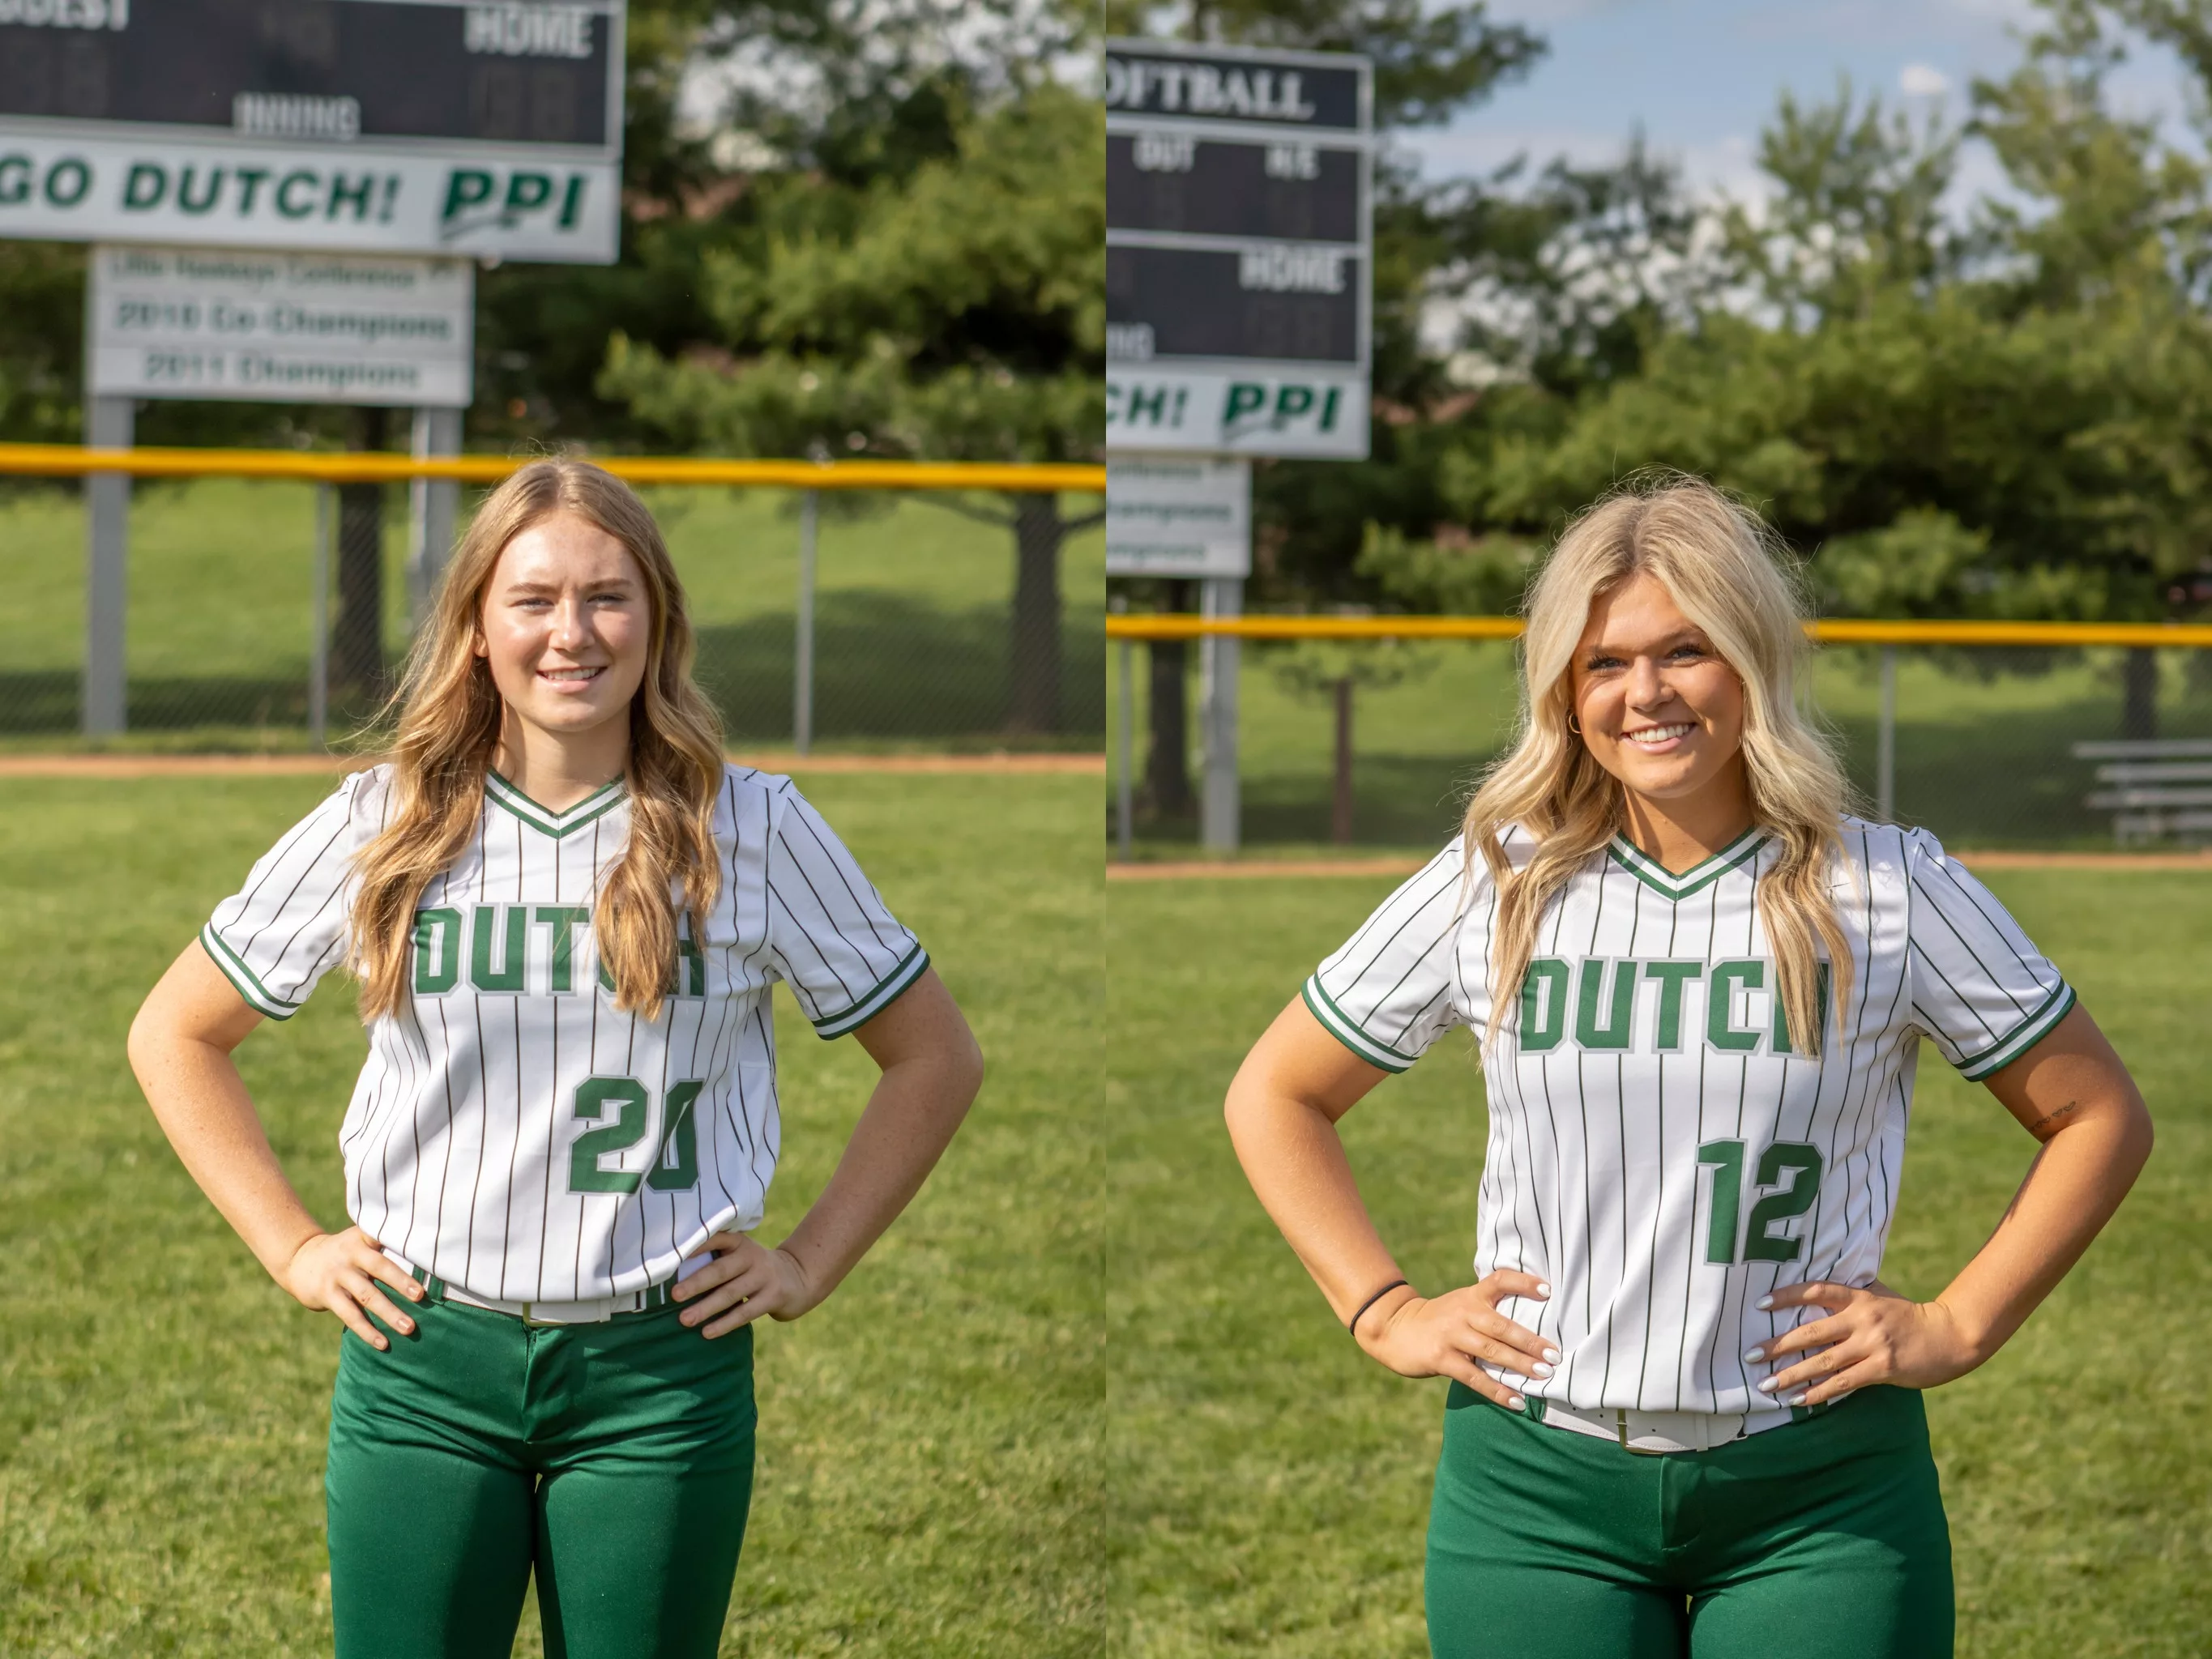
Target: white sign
<point>245,194</point>
<point>1166,516</point>
<point>1318,413</point>
<point>277,327</point>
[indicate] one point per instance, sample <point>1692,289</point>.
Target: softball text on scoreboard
<point>432,126</point>
<point>1239,251</point>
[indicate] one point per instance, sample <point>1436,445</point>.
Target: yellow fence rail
<point>1127,629</point>
<point>108,470</point>
<point>1836,631</point>
<point>330,466</point>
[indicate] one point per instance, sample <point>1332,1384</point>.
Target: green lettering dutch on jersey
<point>1619,1027</point>
<point>500,958</point>
<point>437,951</point>
<point>1543,1004</point>
<point>1721,1029</point>
<point>564,919</point>
<point>485,927</point>
<point>1781,1044</point>
<point>1609,1016</point>
<point>1671,977</point>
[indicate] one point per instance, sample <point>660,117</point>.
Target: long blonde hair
<point>448,715</point>
<point>1728,574</point>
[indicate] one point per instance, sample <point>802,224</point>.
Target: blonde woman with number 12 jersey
<point>1684,1414</point>
<point>566,914</point>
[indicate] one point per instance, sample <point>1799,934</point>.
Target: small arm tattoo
<point>2049,1121</point>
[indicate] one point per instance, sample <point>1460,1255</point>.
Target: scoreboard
<point>421,125</point>
<point>1238,250</point>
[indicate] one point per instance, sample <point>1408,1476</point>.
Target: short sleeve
<point>1386,993</point>
<point>279,934</point>
<point>830,935</point>
<point>1980,989</point>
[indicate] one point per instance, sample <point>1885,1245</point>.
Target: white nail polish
<point>1518,1403</point>
<point>1795,1400</point>
<point>1540,1371</point>
<point>1765,1303</point>
<point>1543,1290</point>
<point>1753,1356</point>
<point>1551,1356</point>
<point>1766,1385</point>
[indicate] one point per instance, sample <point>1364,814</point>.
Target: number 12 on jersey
<point>1726,1160</point>
<point>624,1108</point>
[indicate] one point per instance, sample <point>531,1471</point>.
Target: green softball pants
<point>615,1461</point>
<point>1822,1540</point>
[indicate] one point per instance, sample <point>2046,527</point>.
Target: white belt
<point>592,1310</point>
<point>1654,1433</point>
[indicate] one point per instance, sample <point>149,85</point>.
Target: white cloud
<point>1922,80</point>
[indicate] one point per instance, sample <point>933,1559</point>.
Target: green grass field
<point>930,1477</point>
<point>1276,1481</point>
<point>911,617</point>
<point>1984,761</point>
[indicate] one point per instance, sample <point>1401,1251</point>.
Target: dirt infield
<point>257,766</point>
<point>1260,869</point>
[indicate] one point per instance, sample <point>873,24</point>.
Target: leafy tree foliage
<point>2000,415</point>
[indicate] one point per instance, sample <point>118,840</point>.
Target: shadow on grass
<point>884,668</point>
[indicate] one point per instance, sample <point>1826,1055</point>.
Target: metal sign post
<point>1239,262</point>
<point>432,508</point>
<point>102,707</point>
<point>802,653</point>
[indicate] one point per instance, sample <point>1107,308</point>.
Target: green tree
<point>957,312</point>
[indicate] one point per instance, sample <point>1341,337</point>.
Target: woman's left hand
<point>1870,1336</point>
<point>745,1280</point>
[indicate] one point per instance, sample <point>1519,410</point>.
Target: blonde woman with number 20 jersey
<point>566,914</point>
<point>1684,1416</point>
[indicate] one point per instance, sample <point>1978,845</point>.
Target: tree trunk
<point>357,632</point>
<point>1340,817</point>
<point>1167,762</point>
<point>1034,705</point>
<point>2139,693</point>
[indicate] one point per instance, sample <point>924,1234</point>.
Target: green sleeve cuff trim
<point>234,967</point>
<point>888,991</point>
<point>1340,1025</point>
<point>2023,1037</point>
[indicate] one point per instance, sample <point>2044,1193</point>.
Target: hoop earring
<point>1574,725</point>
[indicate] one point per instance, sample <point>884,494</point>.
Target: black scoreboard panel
<point>1197,303</point>
<point>1290,189</point>
<point>408,66</point>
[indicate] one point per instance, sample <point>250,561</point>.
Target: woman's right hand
<point>338,1273</point>
<point>1447,1335</point>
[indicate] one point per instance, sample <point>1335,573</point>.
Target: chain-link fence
<point>927,632</point>
<point>2029,746</point>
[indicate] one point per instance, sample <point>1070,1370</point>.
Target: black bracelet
<point>1352,1324</point>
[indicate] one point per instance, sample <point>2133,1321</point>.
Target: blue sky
<point>1701,76</point>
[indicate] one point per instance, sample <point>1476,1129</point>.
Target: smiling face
<point>565,626</point>
<point>1658,708</point>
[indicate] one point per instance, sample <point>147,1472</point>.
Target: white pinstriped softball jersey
<point>1659,1151</point>
<point>511,1131</point>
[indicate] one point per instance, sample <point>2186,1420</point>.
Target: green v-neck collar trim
<point>544,819</point>
<point>1656,876</point>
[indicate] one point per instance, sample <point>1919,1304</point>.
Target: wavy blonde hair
<point>1728,574</point>
<point>448,714</point>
